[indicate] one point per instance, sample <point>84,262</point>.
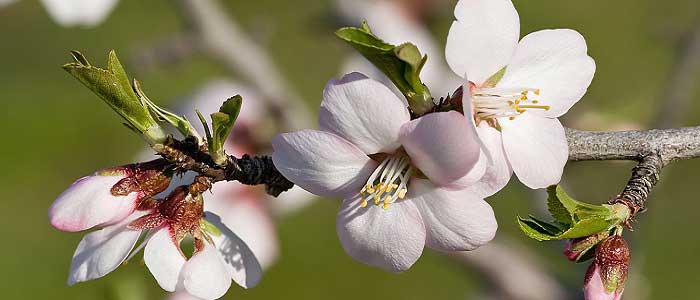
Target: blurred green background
<point>58,131</point>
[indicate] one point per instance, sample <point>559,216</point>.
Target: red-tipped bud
<point>606,277</point>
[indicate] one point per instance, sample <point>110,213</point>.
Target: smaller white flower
<point>70,13</point>
<point>546,73</point>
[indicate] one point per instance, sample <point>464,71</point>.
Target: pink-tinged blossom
<point>108,196</point>
<point>219,257</point>
<point>406,183</point>
<point>545,74</point>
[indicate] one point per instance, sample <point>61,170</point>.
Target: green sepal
<point>179,122</point>
<point>209,228</point>
<point>574,219</point>
<point>113,87</point>
<point>401,64</point>
<point>222,123</point>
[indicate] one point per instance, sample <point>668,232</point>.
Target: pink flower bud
<point>606,277</point>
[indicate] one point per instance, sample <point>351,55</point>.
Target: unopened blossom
<point>87,13</point>
<point>406,183</point>
<point>543,76</point>
<point>219,255</point>
<point>607,275</point>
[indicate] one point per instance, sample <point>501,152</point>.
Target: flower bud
<point>108,196</point>
<point>579,249</point>
<point>606,277</point>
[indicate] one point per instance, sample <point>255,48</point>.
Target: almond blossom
<point>406,183</point>
<point>520,87</point>
<point>88,13</point>
<point>118,200</point>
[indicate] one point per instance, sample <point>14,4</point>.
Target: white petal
<point>364,112</point>
<point>79,12</point>
<point>241,263</point>
<point>205,275</point>
<point>483,38</point>
<point>321,162</point>
<point>290,201</point>
<point>182,295</point>
<point>442,145</point>
<point>101,252</point>
<point>536,148</point>
<point>245,214</point>
<point>391,239</point>
<point>454,220</point>
<point>164,259</point>
<point>555,62</point>
<point>498,173</point>
<point>88,202</point>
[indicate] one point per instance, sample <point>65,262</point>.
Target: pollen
<point>388,183</point>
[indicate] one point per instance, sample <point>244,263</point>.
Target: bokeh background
<point>56,131</point>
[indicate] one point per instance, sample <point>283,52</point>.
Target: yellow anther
<point>511,118</point>
<point>535,101</point>
<point>523,98</point>
<point>386,206</point>
<point>370,190</point>
<point>537,92</point>
<point>402,193</point>
<point>376,200</point>
<point>364,203</point>
<point>387,199</point>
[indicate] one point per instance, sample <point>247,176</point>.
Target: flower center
<point>388,183</point>
<point>492,103</point>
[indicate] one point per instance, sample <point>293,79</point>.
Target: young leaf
<point>221,123</point>
<point>179,122</point>
<point>402,64</point>
<point>113,87</point>
<point>557,208</point>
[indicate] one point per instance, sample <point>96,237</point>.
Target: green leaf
<point>534,230</point>
<point>209,227</point>
<point>179,122</point>
<point>222,123</point>
<point>557,208</point>
<point>113,87</point>
<point>207,132</point>
<point>402,64</point>
<point>587,227</point>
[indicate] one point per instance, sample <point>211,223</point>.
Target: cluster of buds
<point>606,276</point>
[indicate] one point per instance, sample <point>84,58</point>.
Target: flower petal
<point>88,202</point>
<point>363,111</point>
<point>391,239</point>
<point>454,220</point>
<point>205,275</point>
<point>442,145</point>
<point>241,263</point>
<point>555,62</point>
<point>321,162</point>
<point>536,148</point>
<point>498,173</point>
<point>101,252</point>
<point>164,259</point>
<point>81,12</point>
<point>245,214</point>
<point>483,38</point>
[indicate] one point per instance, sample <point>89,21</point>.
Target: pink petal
<point>391,239</point>
<point>555,62</point>
<point>594,288</point>
<point>536,148</point>
<point>454,220</point>
<point>321,162</point>
<point>246,215</point>
<point>483,38</point>
<point>205,275</point>
<point>363,111</point>
<point>240,262</point>
<point>442,145</point>
<point>88,202</point>
<point>101,252</point>
<point>164,259</point>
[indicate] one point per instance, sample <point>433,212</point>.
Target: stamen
<point>388,182</point>
<point>492,103</point>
